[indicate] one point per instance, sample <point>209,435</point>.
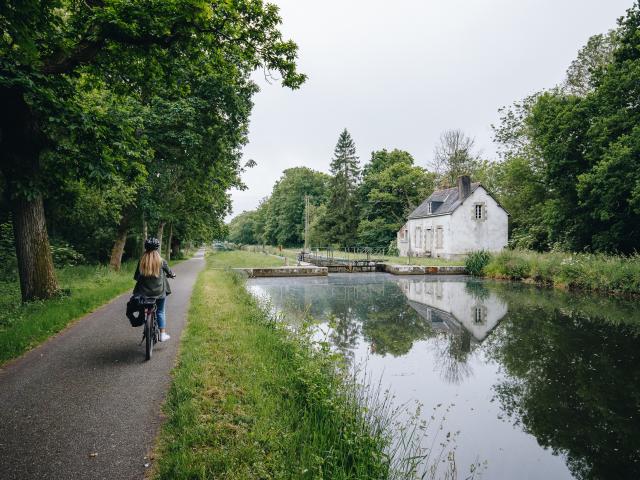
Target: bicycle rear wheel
<point>149,334</point>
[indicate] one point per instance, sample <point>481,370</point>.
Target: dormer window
<point>429,208</point>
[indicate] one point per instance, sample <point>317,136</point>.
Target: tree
<point>391,187</point>
<point>518,179</point>
<point>591,62</point>
<point>285,216</point>
<point>590,147</point>
<point>45,50</point>
<point>242,229</point>
<point>340,221</point>
<point>454,156</point>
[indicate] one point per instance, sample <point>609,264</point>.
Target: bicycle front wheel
<point>149,335</point>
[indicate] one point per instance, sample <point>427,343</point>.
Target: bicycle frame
<point>151,330</point>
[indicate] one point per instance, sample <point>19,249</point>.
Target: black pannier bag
<point>135,310</point>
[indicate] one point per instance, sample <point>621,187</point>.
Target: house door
<point>428,240</point>
<point>417,241</point>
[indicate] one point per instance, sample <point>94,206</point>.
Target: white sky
<point>398,73</point>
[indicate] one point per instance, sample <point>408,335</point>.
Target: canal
<point>533,383</point>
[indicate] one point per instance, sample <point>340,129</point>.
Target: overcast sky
<point>398,73</point>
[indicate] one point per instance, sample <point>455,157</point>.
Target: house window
<point>429,208</point>
<point>479,213</point>
<point>417,241</point>
<point>479,315</point>
<point>439,237</point>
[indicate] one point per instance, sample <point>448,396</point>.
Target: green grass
<point>244,259</point>
<point>23,326</point>
<point>250,399</point>
<point>588,272</point>
<point>292,256</point>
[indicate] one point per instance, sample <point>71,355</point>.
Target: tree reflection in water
<point>570,364</point>
<point>573,381</point>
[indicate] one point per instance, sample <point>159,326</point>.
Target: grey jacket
<point>153,287</point>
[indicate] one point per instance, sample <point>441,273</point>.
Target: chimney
<point>464,187</point>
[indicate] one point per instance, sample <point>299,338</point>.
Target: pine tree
<point>341,218</point>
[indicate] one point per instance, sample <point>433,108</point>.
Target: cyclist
<point>151,281</point>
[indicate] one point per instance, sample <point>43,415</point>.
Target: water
<point>540,384</point>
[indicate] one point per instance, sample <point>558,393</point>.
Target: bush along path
<point>86,405</point>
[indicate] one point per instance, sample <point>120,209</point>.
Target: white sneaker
<point>164,337</point>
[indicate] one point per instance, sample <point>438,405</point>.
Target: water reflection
<point>547,383</point>
<point>573,380</point>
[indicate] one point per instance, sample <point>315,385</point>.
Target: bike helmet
<point>151,244</point>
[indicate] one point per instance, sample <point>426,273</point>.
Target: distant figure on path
<point>151,281</point>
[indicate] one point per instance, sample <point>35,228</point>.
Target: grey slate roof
<point>448,200</point>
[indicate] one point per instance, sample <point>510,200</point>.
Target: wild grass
<point>244,259</point>
<point>25,325</point>
<point>476,262</point>
<point>252,398</point>
<point>601,273</point>
<point>291,254</point>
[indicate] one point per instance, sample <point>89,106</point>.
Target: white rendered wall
<point>468,234</point>
<point>454,298</point>
<point>462,233</point>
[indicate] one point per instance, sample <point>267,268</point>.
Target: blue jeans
<point>160,312</point>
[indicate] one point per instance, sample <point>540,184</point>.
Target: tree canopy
<point>147,101</point>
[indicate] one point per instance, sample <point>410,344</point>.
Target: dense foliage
<point>123,116</point>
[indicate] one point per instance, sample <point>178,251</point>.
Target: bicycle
<point>151,332</point>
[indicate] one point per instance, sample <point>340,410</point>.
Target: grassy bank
<point>291,254</point>
<point>249,399</point>
<point>597,273</point>
<point>244,259</point>
<point>23,326</point>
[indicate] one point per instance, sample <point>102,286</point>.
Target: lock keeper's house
<point>453,222</point>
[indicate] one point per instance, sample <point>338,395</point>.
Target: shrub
<point>8,262</point>
<point>392,250</point>
<point>64,255</point>
<point>476,261</point>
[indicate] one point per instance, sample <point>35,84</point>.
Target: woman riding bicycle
<point>151,281</point>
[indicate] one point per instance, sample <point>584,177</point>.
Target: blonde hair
<point>150,264</point>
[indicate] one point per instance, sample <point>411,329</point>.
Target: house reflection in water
<point>463,312</point>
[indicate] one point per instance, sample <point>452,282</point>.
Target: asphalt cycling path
<point>86,405</point>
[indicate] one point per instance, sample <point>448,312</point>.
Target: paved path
<point>86,405</point>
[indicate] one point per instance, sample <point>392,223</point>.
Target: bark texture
<point>160,233</point>
<point>145,232</point>
<point>35,263</point>
<point>118,245</point>
<point>21,142</point>
<point>169,240</point>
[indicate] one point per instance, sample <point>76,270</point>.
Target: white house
<point>455,221</point>
<point>449,306</point>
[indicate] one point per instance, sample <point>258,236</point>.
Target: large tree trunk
<point>118,245</point>
<point>35,263</point>
<point>169,239</point>
<point>21,142</point>
<point>160,233</point>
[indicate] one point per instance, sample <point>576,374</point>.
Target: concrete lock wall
<point>292,271</point>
